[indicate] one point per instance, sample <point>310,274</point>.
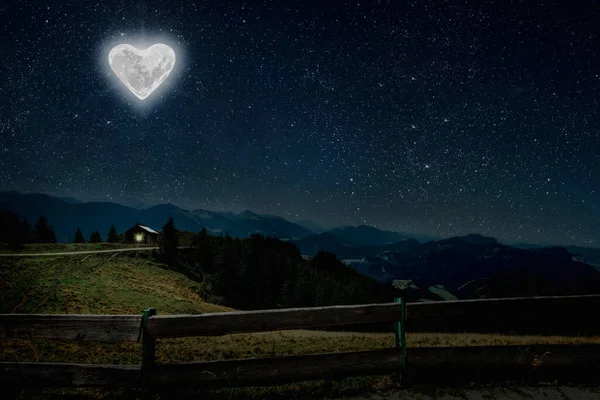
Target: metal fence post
<point>148,343</point>
<point>400,331</point>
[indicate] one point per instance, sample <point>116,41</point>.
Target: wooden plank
<point>117,328</point>
<point>148,342</point>
<point>277,370</point>
<point>433,365</point>
<point>540,363</point>
<point>564,315</point>
<point>214,324</point>
<point>69,375</point>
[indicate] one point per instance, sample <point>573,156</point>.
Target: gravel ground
<point>493,393</point>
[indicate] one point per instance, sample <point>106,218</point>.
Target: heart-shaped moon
<point>142,71</point>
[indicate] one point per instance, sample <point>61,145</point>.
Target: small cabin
<point>141,234</point>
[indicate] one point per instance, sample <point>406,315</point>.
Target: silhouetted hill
<point>311,226</point>
<point>375,267</point>
<point>259,272</point>
<point>475,266</point>
<point>327,241</point>
<point>247,214</point>
<point>66,216</point>
<point>247,223</point>
<point>345,249</point>
<point>156,217</point>
<point>590,255</point>
<point>71,200</point>
<point>364,235</point>
<point>526,245</point>
<point>476,238</point>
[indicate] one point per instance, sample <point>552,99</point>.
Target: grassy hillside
<point>129,282</point>
<point>119,283</point>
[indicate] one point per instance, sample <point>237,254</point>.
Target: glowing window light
<point>139,237</point>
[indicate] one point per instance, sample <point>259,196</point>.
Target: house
<point>141,234</point>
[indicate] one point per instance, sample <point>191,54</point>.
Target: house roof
<point>147,229</point>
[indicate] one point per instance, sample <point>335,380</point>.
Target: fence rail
<point>223,323</point>
<point>278,370</point>
<point>211,374</point>
<point>437,364</point>
<point>565,363</point>
<point>555,315</point>
<point>30,374</point>
<point>114,328</point>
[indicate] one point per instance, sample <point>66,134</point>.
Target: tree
<point>201,243</point>
<point>224,277</point>
<point>43,232</point>
<point>51,236</point>
<point>112,235</point>
<point>95,237</point>
<point>168,242</point>
<point>11,230</point>
<point>78,237</point>
<point>25,231</point>
<point>128,236</point>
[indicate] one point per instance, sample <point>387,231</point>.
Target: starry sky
<point>432,117</point>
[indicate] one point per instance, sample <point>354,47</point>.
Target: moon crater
<point>142,71</point>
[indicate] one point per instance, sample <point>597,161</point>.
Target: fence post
<point>401,330</point>
<point>148,343</point>
<point>400,335</point>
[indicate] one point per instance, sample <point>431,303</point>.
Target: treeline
<point>95,236</point>
<point>16,232</point>
<point>261,272</point>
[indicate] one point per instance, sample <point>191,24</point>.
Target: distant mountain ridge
<point>476,266</point>
<point>348,242</point>
<point>589,254</point>
<point>346,249</point>
<point>69,213</point>
<point>471,266</point>
<point>311,226</point>
<point>71,200</point>
<point>66,215</point>
<point>367,235</point>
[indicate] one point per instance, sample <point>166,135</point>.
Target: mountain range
<point>476,266</point>
<point>426,268</point>
<point>68,213</point>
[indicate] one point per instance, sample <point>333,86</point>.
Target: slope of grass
<point>119,283</point>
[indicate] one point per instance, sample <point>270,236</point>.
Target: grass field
<point>118,283</point>
<point>126,283</point>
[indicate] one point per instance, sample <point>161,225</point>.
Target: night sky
<point>430,117</point>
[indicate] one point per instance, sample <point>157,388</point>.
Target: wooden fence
<point>149,327</point>
<point>551,315</point>
<point>569,363</point>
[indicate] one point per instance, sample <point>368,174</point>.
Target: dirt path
<point>68,253</point>
<point>493,393</point>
